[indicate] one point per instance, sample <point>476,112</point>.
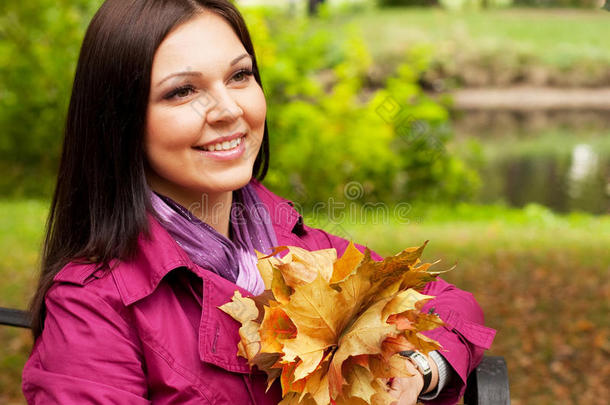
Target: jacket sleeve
<point>85,355</point>
<point>464,337</point>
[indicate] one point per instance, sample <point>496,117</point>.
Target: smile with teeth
<point>226,145</point>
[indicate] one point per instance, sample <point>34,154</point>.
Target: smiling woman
<point>210,152</point>
<point>158,213</point>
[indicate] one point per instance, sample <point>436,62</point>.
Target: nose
<point>223,107</point>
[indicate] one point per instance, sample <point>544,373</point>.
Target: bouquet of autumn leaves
<point>331,328</point>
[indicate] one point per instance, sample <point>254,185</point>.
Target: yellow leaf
<point>403,301</point>
<point>265,268</point>
<point>346,264</point>
<point>317,310</point>
<point>302,266</point>
<point>330,328</point>
<point>317,384</point>
<point>293,399</point>
<point>240,308</point>
<point>395,344</point>
<point>244,310</point>
<point>360,382</point>
<point>303,346</point>
<point>373,280</point>
<point>281,291</point>
<point>381,397</point>
<point>364,336</point>
<point>395,366</point>
<point>309,362</point>
<point>423,343</point>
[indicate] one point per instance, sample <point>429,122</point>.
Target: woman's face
<point>206,112</point>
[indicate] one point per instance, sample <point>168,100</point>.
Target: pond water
<point>560,159</point>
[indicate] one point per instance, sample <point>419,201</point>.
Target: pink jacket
<point>149,331</point>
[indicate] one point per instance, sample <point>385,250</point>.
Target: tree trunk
<point>313,6</point>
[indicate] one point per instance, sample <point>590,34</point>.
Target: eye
<point>180,92</point>
<point>243,75</point>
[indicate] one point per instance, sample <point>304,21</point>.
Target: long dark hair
<point>99,207</point>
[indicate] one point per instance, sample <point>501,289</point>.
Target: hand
<point>407,389</point>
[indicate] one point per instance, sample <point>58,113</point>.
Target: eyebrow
<point>191,73</point>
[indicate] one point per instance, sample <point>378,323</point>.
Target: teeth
<point>226,145</point>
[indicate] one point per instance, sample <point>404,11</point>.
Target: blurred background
<point>480,125</point>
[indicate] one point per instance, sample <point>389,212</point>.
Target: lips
<point>223,143</point>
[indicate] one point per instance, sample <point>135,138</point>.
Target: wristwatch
<point>421,362</point>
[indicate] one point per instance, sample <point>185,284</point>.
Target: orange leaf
<point>287,379</point>
<point>276,326</point>
<point>346,264</point>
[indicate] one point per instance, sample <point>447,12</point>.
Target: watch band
<point>421,362</point>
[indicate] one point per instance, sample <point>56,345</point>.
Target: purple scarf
<point>235,259</point>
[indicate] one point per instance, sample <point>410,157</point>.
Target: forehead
<point>206,43</point>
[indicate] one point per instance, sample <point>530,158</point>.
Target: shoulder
<point>81,285</point>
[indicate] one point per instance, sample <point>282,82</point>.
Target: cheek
<point>167,130</point>
<point>256,110</point>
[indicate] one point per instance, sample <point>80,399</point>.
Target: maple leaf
<point>360,383</point>
<point>330,328</point>
<point>364,336</point>
<point>244,310</point>
<point>276,326</point>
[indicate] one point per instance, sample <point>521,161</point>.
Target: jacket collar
<point>159,253</point>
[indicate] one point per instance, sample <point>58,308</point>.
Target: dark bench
<point>487,384</point>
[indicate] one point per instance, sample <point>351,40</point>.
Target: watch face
<point>421,362</point>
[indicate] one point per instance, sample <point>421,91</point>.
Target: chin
<point>233,181</point>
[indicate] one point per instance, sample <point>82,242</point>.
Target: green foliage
<point>558,3</point>
<point>320,116</point>
<point>325,132</point>
<point>39,44</point>
<point>407,3</point>
<point>496,48</point>
<point>465,4</point>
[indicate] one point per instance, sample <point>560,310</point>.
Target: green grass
<point>471,232</point>
<point>21,229</point>
<point>21,226</point>
<point>543,280</point>
<point>544,33</point>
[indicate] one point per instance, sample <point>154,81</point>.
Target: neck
<point>212,208</point>
<point>215,210</point>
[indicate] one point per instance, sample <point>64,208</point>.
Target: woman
<point>157,211</point>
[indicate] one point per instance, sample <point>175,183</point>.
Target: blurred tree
<point>407,3</point>
<point>39,43</point>
<point>313,6</point>
<point>314,83</point>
